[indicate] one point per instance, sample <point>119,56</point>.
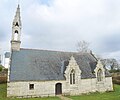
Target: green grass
<point>100,96</point>
<point>3,95</point>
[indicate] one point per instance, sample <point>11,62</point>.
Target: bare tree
<point>83,46</point>
<point>111,64</point>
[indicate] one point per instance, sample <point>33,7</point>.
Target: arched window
<point>16,24</point>
<point>99,75</point>
<point>16,35</point>
<point>72,77</point>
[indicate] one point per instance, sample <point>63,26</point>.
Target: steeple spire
<point>17,17</point>
<point>16,31</point>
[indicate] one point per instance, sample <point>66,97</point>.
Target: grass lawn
<point>100,96</point>
<point>3,95</point>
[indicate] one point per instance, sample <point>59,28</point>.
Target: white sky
<point>60,24</point>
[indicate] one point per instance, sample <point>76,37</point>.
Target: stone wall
<point>47,88</point>
<point>91,85</point>
<point>41,88</point>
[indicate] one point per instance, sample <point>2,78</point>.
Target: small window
<point>72,77</point>
<point>31,86</point>
<point>16,31</point>
<point>16,35</point>
<point>16,24</point>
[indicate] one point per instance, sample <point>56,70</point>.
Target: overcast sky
<point>60,24</point>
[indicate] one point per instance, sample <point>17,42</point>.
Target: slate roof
<point>41,65</point>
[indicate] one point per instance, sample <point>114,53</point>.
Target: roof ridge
<point>80,53</point>
<point>47,50</point>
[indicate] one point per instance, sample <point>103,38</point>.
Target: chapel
<point>39,73</point>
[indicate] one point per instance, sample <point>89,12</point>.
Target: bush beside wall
<point>116,78</point>
<point>3,79</point>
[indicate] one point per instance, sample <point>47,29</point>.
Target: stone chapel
<point>38,73</point>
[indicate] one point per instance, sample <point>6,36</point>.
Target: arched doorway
<point>58,88</point>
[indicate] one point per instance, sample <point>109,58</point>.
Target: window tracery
<point>99,75</point>
<point>72,77</point>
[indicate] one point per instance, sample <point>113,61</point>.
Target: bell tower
<point>16,31</point>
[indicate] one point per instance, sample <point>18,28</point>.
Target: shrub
<point>3,79</point>
<point>114,70</point>
<point>116,78</point>
<point>116,81</point>
<point>0,68</point>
